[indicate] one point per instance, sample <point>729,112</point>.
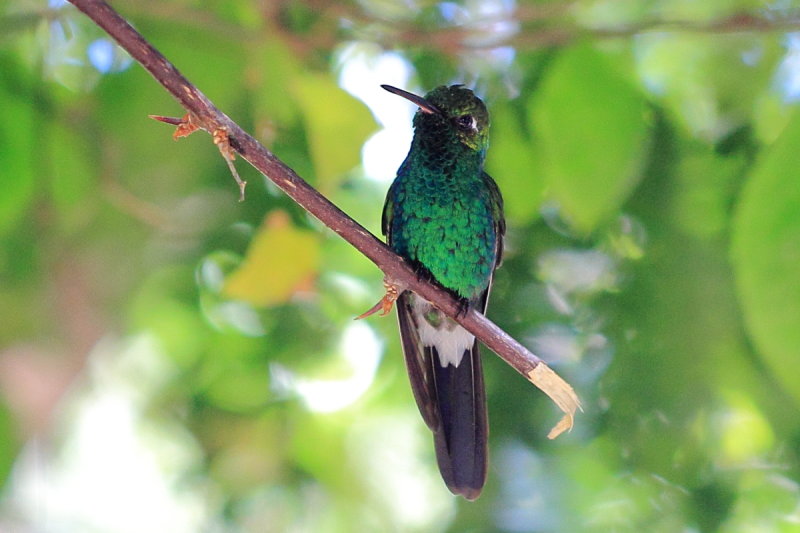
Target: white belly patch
<point>437,330</point>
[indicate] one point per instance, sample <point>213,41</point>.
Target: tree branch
<point>203,114</point>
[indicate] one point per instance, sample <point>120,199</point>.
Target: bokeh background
<point>172,360</point>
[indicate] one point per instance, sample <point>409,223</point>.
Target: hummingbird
<point>444,215</point>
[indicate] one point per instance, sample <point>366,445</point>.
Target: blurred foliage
<point>648,155</point>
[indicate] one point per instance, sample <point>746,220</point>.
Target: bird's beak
<point>424,105</point>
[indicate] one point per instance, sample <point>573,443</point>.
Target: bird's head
<point>453,111</point>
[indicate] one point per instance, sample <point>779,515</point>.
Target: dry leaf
<point>281,260</point>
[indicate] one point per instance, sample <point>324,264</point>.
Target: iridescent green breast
<point>442,220</point>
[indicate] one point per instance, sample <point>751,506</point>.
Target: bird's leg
<point>463,307</point>
<point>393,290</point>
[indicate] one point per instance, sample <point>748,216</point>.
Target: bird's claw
<point>385,304</point>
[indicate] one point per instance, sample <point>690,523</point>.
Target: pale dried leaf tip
<point>560,392</point>
<point>565,424</point>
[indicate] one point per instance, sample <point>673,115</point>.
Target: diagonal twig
<point>204,115</point>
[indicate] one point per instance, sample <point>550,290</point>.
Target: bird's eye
<point>466,123</point>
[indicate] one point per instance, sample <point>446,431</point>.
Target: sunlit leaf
<point>708,84</point>
<point>281,260</point>
<point>766,255</point>
<point>281,69</point>
<point>591,129</point>
<point>336,125</point>
<point>512,163</point>
<point>743,432</point>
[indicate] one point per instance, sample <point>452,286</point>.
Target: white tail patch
<point>437,330</point>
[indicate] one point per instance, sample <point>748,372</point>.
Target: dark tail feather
<point>461,439</point>
<point>452,402</point>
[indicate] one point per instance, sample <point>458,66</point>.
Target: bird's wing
<point>496,200</point>
<point>418,362</point>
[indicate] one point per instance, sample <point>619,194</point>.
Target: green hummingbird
<point>444,215</point>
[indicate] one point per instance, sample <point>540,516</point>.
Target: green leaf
<point>17,152</point>
<point>512,164</point>
<point>336,125</point>
<point>591,129</point>
<point>15,25</point>
<point>705,182</point>
<point>280,70</point>
<point>766,255</point>
<point>709,85</point>
<point>159,306</point>
<point>9,442</point>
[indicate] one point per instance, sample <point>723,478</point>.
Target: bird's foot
<point>386,303</point>
<point>463,307</point>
